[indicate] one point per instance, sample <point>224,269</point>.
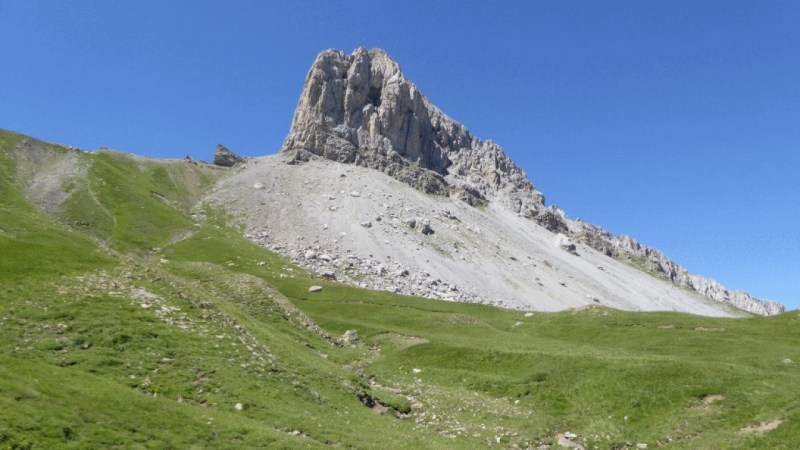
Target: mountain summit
<point>360,109</point>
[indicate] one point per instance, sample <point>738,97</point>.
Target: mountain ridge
<point>360,109</point>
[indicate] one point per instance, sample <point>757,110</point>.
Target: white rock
<point>350,335</point>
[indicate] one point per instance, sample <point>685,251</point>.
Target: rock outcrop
<point>360,109</point>
<point>224,157</point>
<point>653,261</point>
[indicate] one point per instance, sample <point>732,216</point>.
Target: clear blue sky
<point>676,122</point>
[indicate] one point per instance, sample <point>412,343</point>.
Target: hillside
<point>135,314</point>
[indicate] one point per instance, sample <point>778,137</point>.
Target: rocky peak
<point>360,109</point>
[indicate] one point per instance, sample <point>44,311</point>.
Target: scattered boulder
<point>423,226</point>
<point>350,336</point>
<point>329,274</point>
<point>425,229</point>
<point>565,244</point>
<point>225,158</point>
<point>566,440</point>
<point>315,289</point>
<point>366,224</point>
<point>239,407</point>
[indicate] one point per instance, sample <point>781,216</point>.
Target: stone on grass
<point>350,336</point>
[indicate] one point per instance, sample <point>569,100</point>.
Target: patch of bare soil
<point>710,329</point>
<point>45,173</point>
<point>762,427</point>
<point>712,398</point>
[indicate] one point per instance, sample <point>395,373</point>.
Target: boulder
<point>564,243</point>
<point>350,336</point>
<point>425,228</point>
<point>224,157</point>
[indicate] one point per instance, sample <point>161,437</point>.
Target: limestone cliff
<point>360,109</point>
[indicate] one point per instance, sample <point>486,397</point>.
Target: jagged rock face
<point>653,261</point>
<point>364,101</point>
<point>360,109</point>
<point>224,157</point>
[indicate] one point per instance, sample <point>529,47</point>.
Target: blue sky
<point>676,122</point>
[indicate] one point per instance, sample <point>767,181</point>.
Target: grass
<point>134,317</point>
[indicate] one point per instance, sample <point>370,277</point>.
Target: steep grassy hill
<point>133,315</point>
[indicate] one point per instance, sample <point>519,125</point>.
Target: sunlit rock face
<point>360,109</point>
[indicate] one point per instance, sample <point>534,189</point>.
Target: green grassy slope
<point>131,316</point>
